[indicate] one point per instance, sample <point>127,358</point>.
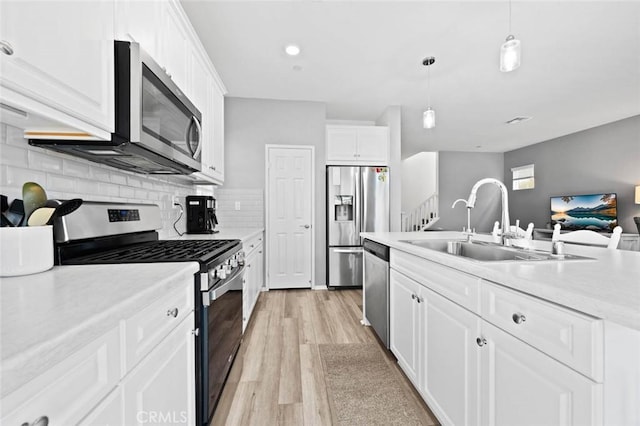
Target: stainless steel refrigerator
<point>357,201</point>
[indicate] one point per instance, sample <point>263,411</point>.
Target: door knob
<point>305,226</point>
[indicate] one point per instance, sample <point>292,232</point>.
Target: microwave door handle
<point>194,122</point>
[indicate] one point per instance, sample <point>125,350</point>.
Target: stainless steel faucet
<point>507,235</point>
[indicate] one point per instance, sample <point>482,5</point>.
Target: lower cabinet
<point>254,276</point>
<point>471,372</point>
<point>522,386</point>
<point>451,360</point>
<point>161,388</point>
<point>405,324</point>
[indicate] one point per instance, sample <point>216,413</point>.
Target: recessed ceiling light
<point>292,50</point>
<point>517,120</point>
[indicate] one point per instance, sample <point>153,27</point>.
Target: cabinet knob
<point>481,341</point>
<point>40,421</point>
<point>419,299</point>
<point>172,312</point>
<point>413,296</point>
<point>518,318</point>
<point>196,332</point>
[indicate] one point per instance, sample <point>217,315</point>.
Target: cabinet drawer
<point>461,288</point>
<point>252,243</point>
<point>570,337</point>
<point>69,390</point>
<point>144,330</point>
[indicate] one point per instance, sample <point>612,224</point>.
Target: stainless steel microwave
<point>157,128</point>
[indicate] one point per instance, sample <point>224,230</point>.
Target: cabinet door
<point>451,358</point>
<point>217,154</point>
<point>341,143</point>
<point>161,389</point>
<point>108,413</point>
<point>139,21</point>
<point>62,57</point>
<point>522,386</point>
<point>373,145</point>
<point>175,46</point>
<point>405,324</point>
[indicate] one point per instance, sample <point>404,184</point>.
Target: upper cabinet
<point>164,31</point>
<point>357,145</point>
<point>57,66</point>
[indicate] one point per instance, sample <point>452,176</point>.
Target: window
<point>523,177</point>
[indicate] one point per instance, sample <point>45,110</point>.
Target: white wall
<point>419,179</point>
<point>392,118</point>
<point>64,177</point>
<point>250,124</point>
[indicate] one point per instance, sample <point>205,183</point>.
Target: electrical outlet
<point>175,200</point>
<point>237,205</point>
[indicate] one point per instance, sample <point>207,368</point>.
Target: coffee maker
<point>201,214</point>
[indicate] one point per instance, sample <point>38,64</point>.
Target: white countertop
<point>46,317</point>
<point>243,234</point>
<point>607,287</point>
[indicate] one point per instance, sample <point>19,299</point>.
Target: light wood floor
<point>277,378</point>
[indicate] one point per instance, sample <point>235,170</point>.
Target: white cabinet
<point>254,276</point>
<point>406,324</point>
<point>69,390</point>
<point>522,386</point>
<point>99,384</point>
<point>139,21</point>
<point>162,386</point>
<point>58,64</point>
<point>212,134</point>
<point>175,46</point>
<point>451,357</point>
<point>357,145</point>
<point>470,372</point>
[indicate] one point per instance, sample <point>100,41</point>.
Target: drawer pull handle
<point>481,341</point>
<point>518,318</point>
<point>172,312</point>
<point>40,421</point>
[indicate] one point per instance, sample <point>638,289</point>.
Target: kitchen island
<point>517,342</point>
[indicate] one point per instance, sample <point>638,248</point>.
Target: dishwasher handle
<point>378,250</point>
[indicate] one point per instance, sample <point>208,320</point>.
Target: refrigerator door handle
<point>355,250</point>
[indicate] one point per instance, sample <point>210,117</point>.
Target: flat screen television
<point>596,212</point>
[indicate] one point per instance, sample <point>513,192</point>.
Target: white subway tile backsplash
<point>14,156</point>
<point>118,178</point>
<point>41,161</point>
<point>251,213</point>
<point>65,177</point>
<point>75,168</point>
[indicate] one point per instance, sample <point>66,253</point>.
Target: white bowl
<point>25,250</point>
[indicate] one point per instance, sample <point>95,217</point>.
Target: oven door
<point>223,319</point>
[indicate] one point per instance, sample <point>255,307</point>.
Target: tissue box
<point>25,250</point>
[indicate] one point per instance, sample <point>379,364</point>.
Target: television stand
<point>627,241</point>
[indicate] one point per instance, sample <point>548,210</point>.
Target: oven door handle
<point>217,292</point>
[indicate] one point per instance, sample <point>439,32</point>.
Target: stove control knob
<point>234,262</point>
<point>227,268</point>
<point>221,272</point>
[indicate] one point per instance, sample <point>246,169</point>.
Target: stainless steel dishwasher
<point>376,288</point>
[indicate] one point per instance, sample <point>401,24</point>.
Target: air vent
<point>517,120</point>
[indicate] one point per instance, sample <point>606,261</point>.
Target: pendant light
<point>510,50</point>
<point>429,116</point>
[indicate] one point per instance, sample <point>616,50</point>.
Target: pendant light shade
<point>429,118</point>
<point>510,51</point>
<point>510,54</point>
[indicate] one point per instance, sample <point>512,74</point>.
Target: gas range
<point>117,233</point>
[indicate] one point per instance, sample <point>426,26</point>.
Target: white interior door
<point>289,228</point>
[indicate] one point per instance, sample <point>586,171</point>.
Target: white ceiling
<point>580,63</point>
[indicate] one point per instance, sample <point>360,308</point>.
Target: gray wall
<point>457,172</point>
<point>602,159</point>
<point>250,124</point>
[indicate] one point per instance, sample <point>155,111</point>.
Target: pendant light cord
<point>509,17</point>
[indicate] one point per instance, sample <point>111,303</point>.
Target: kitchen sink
<point>489,252</point>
